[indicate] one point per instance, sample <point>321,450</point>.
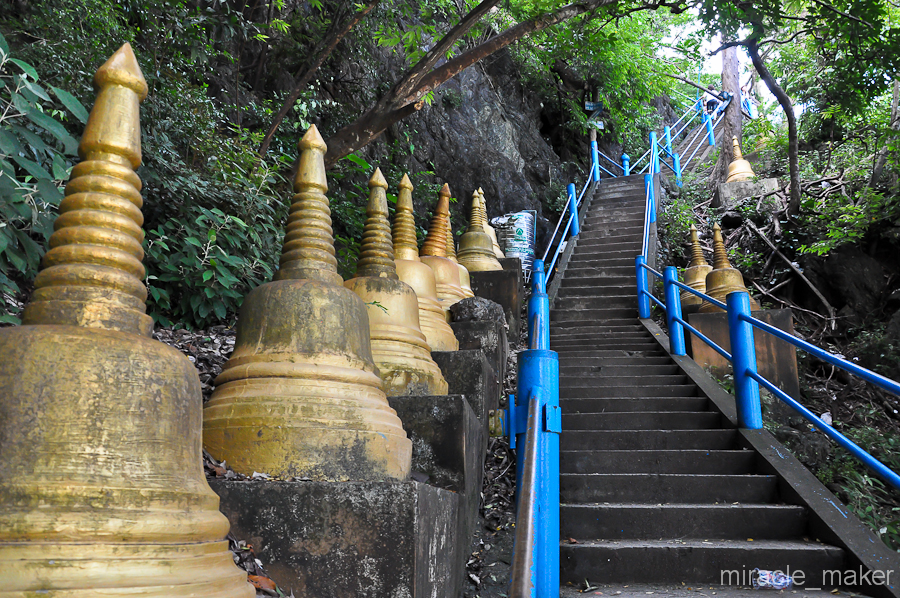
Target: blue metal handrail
<point>535,570</point>
<point>743,357</point>
<point>616,164</point>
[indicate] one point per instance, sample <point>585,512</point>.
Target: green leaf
<point>33,168</point>
<point>36,90</point>
<point>50,193</point>
<point>60,171</point>
<point>220,310</point>
<point>29,70</point>
<point>193,241</point>
<point>54,127</point>
<point>9,145</point>
<point>358,161</point>
<point>207,275</point>
<point>72,104</point>
<point>4,47</point>
<point>10,319</point>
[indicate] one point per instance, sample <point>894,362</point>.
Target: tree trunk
<point>733,125</point>
<point>878,169</point>
<point>788,107</point>
<point>336,33</point>
<point>404,98</point>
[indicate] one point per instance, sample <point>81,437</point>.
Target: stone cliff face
<point>483,129</point>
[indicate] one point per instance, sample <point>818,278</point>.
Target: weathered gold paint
<point>434,254</point>
<point>695,273</point>
<point>498,253</point>
<point>465,281</point>
<point>476,252</point>
<point>102,491</point>
<point>419,276</point>
<point>723,279</point>
<point>399,347</point>
<point>739,169</point>
<point>300,396</point>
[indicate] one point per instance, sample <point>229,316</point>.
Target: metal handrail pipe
<point>703,296</point>
<point>655,300</point>
<point>666,164</point>
<point>556,255</point>
<point>652,271</point>
<point>696,149</point>
<point>686,124</point>
<point>705,339</point>
<point>587,184</point>
<point>611,160</point>
<point>868,460</point>
<point>686,112</point>
<point>607,171</point>
<point>524,570</point>
<point>639,160</point>
<point>867,375</point>
<point>553,236</point>
<point>646,243</point>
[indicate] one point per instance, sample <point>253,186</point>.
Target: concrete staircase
<point>656,485</point>
<point>689,144</point>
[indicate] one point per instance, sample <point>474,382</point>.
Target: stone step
<point>579,357</point>
<point>602,302</point>
<point>694,560</point>
<point>593,315</point>
<point>598,380</point>
<point>600,330</point>
<point>647,439</point>
<point>603,341</point>
<point>728,462</point>
<point>608,283</point>
<point>613,270</point>
<point>615,361</point>
<point>626,404</point>
<point>698,521</point>
<point>580,349</point>
<point>666,488</point>
<point>622,234</point>
<point>556,326</point>
<point>638,420</point>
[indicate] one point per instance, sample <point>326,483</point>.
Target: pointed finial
<point>436,240</point>
<point>406,245</point>
<point>737,148</point>
<point>92,276</point>
<point>697,258</point>
<point>308,250</point>
<point>448,227</point>
<point>376,252</point>
<point>720,257</point>
<point>476,219</point>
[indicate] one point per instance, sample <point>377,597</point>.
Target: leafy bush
<point>36,155</point>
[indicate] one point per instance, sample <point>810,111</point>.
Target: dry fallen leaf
<point>572,541</point>
<point>263,583</point>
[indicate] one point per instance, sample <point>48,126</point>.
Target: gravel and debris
<point>208,350</point>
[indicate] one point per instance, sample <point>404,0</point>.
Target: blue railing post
<point>643,289</point>
<point>595,162</point>
<point>676,164</point>
<point>538,304</point>
<point>710,133</point>
<point>626,165</point>
<point>654,153</point>
<point>539,377</point>
<point>573,208</point>
<point>651,200</point>
<point>743,361</point>
<point>667,135</point>
<point>673,311</point>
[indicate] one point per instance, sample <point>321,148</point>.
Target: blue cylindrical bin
<point>539,368</point>
<point>573,209</point>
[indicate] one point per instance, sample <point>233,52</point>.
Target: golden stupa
<point>399,348</point>
<point>476,252</point>
<point>419,276</point>
<point>739,169</point>
<point>434,254</point>
<point>498,253</point>
<point>102,490</point>
<point>723,279</point>
<point>300,396</point>
<point>695,274</point>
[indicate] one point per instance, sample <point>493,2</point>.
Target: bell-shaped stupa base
<point>401,353</point>
<point>102,491</point>
<point>300,396</point>
<point>432,318</point>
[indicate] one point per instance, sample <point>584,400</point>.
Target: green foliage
<point>36,155</point>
